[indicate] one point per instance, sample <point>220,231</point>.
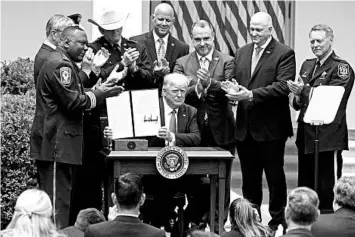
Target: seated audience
<point>341,223</point>
<point>32,216</point>
<point>301,212</point>
<point>245,221</point>
<point>128,197</point>
<point>85,218</point>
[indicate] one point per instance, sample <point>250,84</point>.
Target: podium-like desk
<point>202,161</point>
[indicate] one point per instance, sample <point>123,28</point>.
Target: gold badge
<point>172,162</point>
<point>65,75</point>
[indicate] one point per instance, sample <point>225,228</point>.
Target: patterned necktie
<point>204,63</point>
<point>255,58</point>
<point>161,49</point>
<point>172,125</point>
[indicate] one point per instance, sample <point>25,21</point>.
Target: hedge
<point>18,172</point>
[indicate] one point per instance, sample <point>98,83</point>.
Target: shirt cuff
<point>172,143</point>
<point>87,72</point>
<point>92,98</point>
<point>198,94</point>
<point>96,71</point>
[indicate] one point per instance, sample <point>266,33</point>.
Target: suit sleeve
<point>229,68</point>
<point>179,68</point>
<point>89,232</point>
<point>286,70</point>
<point>64,86</point>
<point>192,136</point>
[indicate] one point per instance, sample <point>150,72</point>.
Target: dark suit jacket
<point>41,56</point>
<point>215,102</point>
<point>123,226</point>
<point>72,231</point>
<point>299,233</point>
<point>333,136</point>
<point>267,116</point>
<point>188,133</point>
<point>340,224</point>
<point>175,49</point>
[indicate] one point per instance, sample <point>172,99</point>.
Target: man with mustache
<point>162,48</point>
<point>326,69</point>
<point>263,121</point>
<point>57,131</point>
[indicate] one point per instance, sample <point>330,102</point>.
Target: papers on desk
<point>134,113</point>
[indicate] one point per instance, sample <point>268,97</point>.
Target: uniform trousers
<point>326,177</point>
<point>268,156</point>
<point>58,181</point>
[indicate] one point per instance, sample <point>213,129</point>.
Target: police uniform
<point>93,169</point>
<point>332,137</point>
<point>56,136</point>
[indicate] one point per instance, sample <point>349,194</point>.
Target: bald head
<point>74,42</point>
<point>162,19</point>
<point>260,28</point>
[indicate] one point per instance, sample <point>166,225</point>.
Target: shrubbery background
<point>18,171</point>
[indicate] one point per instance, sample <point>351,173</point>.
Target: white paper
<point>324,104</point>
<point>146,112</point>
<point>119,115</point>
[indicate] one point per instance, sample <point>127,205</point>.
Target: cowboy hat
<point>110,20</point>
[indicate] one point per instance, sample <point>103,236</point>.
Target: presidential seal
<point>172,162</point>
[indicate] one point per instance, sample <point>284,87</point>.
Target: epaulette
<point>65,57</point>
<point>337,58</point>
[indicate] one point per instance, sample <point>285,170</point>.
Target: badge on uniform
<point>343,71</point>
<point>65,75</point>
<point>323,76</point>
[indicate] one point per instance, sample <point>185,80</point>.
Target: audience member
<point>85,218</point>
<point>301,212</point>
<point>32,216</point>
<point>199,233</point>
<point>128,197</point>
<point>326,69</point>
<point>341,223</point>
<point>245,220</point>
<point>162,48</point>
<point>263,121</point>
<point>56,136</point>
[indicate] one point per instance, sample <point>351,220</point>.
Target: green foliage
<point>18,171</point>
<point>17,76</point>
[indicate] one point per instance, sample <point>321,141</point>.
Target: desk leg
<point>221,196</point>
<point>213,187</point>
<point>108,187</point>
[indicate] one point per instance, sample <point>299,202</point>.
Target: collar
<point>156,37</point>
<point>265,44</point>
<point>325,58</point>
<point>208,56</point>
<point>168,109</point>
<point>46,42</point>
<point>123,214</point>
<point>118,43</point>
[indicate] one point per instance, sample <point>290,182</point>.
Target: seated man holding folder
<point>179,128</point>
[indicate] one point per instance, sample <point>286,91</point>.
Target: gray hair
<point>58,22</point>
<point>264,15</point>
<point>344,192</point>
<point>322,27</point>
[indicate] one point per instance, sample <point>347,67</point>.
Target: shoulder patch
<point>65,75</point>
<point>343,71</point>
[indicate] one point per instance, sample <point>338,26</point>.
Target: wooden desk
<point>202,161</point>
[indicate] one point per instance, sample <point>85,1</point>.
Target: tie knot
<point>161,41</point>
<point>318,63</point>
<point>258,49</point>
<point>173,111</point>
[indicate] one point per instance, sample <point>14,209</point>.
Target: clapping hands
<point>161,67</point>
<point>296,86</point>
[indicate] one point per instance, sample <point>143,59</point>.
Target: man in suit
<point>263,121</point>
<point>160,44</point>
<point>341,223</point>
<point>56,136</point>
<point>55,26</point>
<point>85,218</point>
<point>326,69</point>
<point>301,212</point>
<point>128,197</point>
<point>207,67</point>
<point>179,128</point>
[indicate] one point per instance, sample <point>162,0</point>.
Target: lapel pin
<point>184,115</point>
<point>216,58</point>
<point>267,52</point>
<point>172,44</point>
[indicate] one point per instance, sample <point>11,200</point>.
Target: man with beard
<point>56,136</point>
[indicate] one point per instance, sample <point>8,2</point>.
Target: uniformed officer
<point>326,69</point>
<point>56,136</point>
<point>124,55</point>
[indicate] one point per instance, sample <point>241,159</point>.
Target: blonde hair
<point>32,216</point>
<point>244,220</point>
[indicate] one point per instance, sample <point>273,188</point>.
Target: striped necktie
<point>161,49</point>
